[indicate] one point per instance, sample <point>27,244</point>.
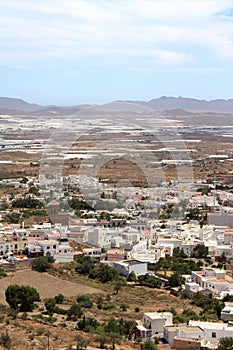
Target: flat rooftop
<point>185,328</point>
<point>157,315</point>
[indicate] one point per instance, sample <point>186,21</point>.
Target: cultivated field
<point>47,286</point>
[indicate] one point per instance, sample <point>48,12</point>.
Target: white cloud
<point>178,69</point>
<point>76,73</point>
<point>161,32</point>
<point>165,57</point>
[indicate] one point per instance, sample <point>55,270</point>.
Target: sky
<point>69,52</point>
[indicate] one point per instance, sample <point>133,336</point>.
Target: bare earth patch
<point>47,286</point>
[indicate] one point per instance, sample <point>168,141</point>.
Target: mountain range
<point>162,104</point>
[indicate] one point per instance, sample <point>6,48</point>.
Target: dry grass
<point>27,334</point>
<point>48,286</point>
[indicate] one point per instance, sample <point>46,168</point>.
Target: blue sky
<point>68,52</point>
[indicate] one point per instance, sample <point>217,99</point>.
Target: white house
<point>192,287</point>
<point>97,237</point>
<point>64,253</point>
<point>227,313</point>
<point>153,323</point>
<point>61,252</point>
<point>125,267</point>
<point>213,331</point>
<point>172,332</point>
<point>214,280</point>
<point>92,252</point>
<point>48,247</point>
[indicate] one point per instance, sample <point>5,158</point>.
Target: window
<point>213,334</point>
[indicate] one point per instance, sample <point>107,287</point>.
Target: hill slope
<point>190,104</point>
<point>18,104</point>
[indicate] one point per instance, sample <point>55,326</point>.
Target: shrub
<point>12,313</point>
<point>85,301</point>
<point>104,273</point>
<point>74,312</point>
<point>124,306</point>
<point>59,298</point>
<point>109,306</point>
<point>148,345</point>
<point>50,305</point>
<point>88,324</point>
<point>42,264</point>
<point>62,324</point>
<point>3,273</point>
<point>40,331</point>
<point>24,316</point>
<point>5,341</point>
<point>81,342</point>
<point>149,281</point>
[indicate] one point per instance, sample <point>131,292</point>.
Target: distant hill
<point>177,106</point>
<point>189,104</point>
<point>177,112</point>
<point>60,111</point>
<point>16,104</point>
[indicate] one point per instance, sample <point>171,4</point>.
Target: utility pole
<point>214,191</point>
<point>48,340</point>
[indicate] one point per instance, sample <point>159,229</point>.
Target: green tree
<point>225,343</point>
<point>42,263</point>
<point>78,204</point>
<point>193,214</point>
<point>112,326</point>
<point>175,280</point>
<point>200,251</point>
<point>30,203</point>
<point>59,298</point>
<point>99,302</point>
<point>102,339</point>
<point>13,218</point>
<point>85,301</point>
<point>104,273</point>
<point>148,345</point>
<point>88,324</point>
<point>34,190</point>
<point>179,253</point>
<point>149,281</point>
<point>81,342</point>
<point>118,284</point>
<point>50,305</point>
<point>132,277</point>
<point>84,265</point>
<point>74,312</point>
<point>127,328</point>
<point>115,338</point>
<point>21,298</point>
